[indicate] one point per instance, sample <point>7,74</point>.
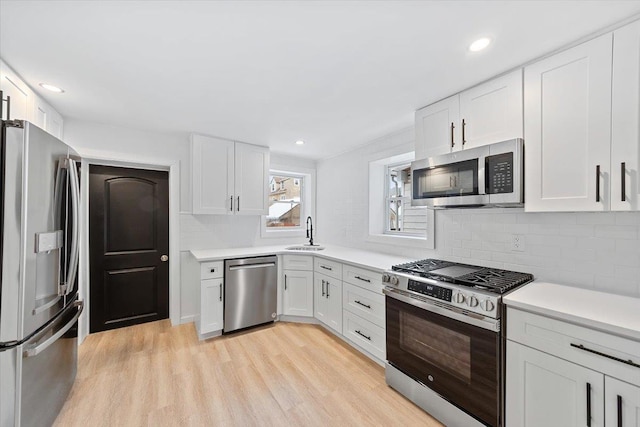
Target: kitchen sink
<point>305,248</point>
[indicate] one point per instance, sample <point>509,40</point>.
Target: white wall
<point>590,250</point>
<point>196,231</point>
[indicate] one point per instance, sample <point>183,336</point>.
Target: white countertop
<point>615,314</point>
<point>365,259</point>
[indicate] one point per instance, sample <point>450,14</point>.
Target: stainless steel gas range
<point>445,347</point>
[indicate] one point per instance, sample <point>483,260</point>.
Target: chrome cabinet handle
<point>597,183</point>
<point>452,142</point>
<point>285,282</point>
<point>623,184</point>
<point>464,140</point>
<point>326,268</point>
<point>363,304</point>
<point>364,280</point>
<point>363,335</point>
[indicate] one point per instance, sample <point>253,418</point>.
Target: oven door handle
<point>480,321</point>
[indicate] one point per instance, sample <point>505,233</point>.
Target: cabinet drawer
<point>330,268</point>
<point>364,278</point>
<point>370,337</point>
<point>297,262</point>
<point>579,344</point>
<point>211,270</point>
<point>364,303</point>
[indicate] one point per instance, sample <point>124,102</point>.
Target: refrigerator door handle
<point>75,208</point>
<point>34,351</point>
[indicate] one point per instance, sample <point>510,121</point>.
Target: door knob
<point>164,258</point>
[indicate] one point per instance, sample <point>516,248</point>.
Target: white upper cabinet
<point>487,113</point>
<point>26,105</point>
<point>21,95</point>
<point>251,179</point>
<point>625,126</point>
<point>567,105</point>
<point>492,112</point>
<point>437,128</point>
<point>228,178</point>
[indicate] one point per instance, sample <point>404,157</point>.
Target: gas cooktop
<point>489,279</point>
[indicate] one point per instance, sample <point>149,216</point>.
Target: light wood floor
<point>284,374</point>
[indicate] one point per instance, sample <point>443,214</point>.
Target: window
<point>392,219</point>
<point>286,206</point>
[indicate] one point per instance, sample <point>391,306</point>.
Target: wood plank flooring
<point>284,374</point>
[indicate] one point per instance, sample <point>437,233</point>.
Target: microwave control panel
<point>499,173</point>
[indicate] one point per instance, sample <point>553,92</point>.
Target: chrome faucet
<point>310,233</point>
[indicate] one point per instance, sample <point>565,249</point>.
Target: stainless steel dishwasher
<point>250,292</point>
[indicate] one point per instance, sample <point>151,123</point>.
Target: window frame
<point>307,199</point>
<point>388,199</point>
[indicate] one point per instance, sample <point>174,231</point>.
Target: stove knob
<point>459,298</point>
<point>386,278</point>
<point>394,280</point>
<point>487,305</point>
<point>472,301</point>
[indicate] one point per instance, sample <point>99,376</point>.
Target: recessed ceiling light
<point>479,44</point>
<point>300,142</point>
<point>52,88</point>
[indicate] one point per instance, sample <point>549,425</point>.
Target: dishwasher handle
<point>248,266</point>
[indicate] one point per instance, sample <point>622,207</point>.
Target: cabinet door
<point>251,179</point>
<point>544,390</point>
<point>211,303</point>
<point>567,106</point>
<point>437,130</point>
<point>320,304</point>
<point>492,112</point>
<point>334,304</point>
<point>45,117</point>
<point>625,116</point>
<point>55,124</point>
<point>298,293</point>
<point>21,95</point>
<point>621,403</point>
<point>212,175</point>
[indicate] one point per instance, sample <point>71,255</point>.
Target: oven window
<point>455,179</point>
<point>440,346</point>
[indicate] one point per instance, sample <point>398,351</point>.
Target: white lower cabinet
<point>621,403</point>
<point>563,374</point>
<point>544,390</point>
<point>211,305</point>
<point>328,301</point>
<point>297,298</point>
<point>367,335</point>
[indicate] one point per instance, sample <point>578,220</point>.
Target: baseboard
<point>188,319</point>
<point>299,319</point>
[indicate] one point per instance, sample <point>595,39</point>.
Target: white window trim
<point>308,196</point>
<point>377,201</point>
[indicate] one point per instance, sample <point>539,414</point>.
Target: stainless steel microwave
<point>490,175</point>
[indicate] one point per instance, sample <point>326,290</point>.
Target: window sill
<point>409,241</point>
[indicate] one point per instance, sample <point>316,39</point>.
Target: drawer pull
<point>323,293</point>
<point>213,270</point>
<point>326,268</point>
<point>619,411</point>
<point>362,335</point>
<point>363,304</point>
<point>608,356</point>
<point>364,280</point>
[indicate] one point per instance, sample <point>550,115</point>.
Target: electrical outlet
<point>517,243</point>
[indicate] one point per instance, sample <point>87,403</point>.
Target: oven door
<point>458,360</point>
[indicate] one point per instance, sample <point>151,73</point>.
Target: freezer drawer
<point>250,292</point>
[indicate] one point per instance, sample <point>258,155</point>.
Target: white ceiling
<point>336,74</point>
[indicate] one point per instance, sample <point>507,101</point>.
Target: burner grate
<point>422,267</point>
<point>494,279</point>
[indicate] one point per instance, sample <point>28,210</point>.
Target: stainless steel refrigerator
<point>39,305</point>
